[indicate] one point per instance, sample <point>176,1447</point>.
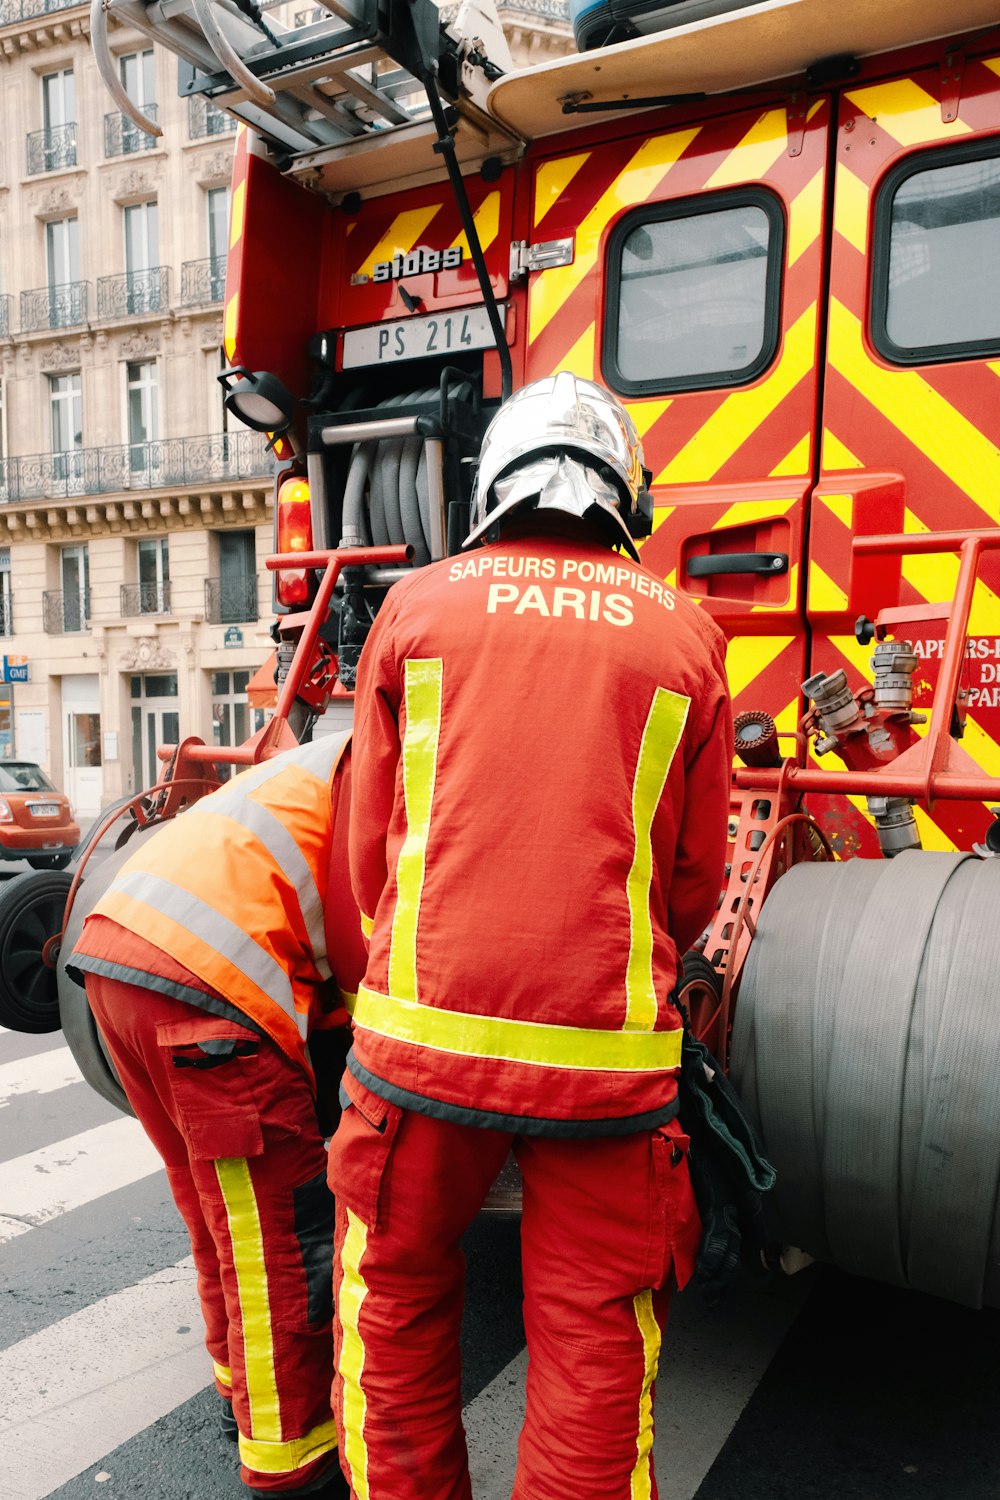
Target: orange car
<point>36,821</point>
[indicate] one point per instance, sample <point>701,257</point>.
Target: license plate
<point>45,809</point>
<point>416,338</point>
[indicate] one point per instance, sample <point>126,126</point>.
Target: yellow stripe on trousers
<point>660,738</point>
<point>264,1451</point>
<point>641,1484</point>
<point>420,747</point>
<point>353,1292</point>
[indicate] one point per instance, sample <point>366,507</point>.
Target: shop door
<point>81,713</point>
<point>911,413</point>
<point>155,722</point>
<point>694,293</point>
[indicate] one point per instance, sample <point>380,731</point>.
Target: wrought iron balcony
<point>48,150</point>
<point>6,320</point>
<point>171,462</point>
<point>65,612</point>
<point>205,119</point>
<point>231,601</point>
<point>134,292</point>
<point>203,281</point>
<point>121,137</point>
<point>62,306</point>
<point>145,598</point>
<point>12,11</point>
<point>6,614</point>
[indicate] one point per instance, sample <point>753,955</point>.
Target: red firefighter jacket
<point>543,743</point>
<point>244,901</point>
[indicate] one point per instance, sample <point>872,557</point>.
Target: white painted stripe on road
<point>49,1182</point>
<point>78,1389</point>
<point>42,1074</point>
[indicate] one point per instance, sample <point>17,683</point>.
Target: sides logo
<point>416,263</point>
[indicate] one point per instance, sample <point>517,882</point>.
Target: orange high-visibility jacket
<point>543,743</point>
<point>249,892</point>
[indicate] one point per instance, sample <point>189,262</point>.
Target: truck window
<point>693,294</point>
<point>936,259</point>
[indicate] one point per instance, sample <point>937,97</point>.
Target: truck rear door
<point>911,404</point>
<point>694,293</point>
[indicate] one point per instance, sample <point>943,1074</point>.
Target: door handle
<point>710,563</point>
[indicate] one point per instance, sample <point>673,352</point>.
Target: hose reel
<point>866,1043</point>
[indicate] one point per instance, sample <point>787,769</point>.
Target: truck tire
<point>31,908</point>
<point>866,1044</point>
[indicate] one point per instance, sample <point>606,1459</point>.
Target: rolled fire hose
<point>866,1045</point>
<point>387,496</point>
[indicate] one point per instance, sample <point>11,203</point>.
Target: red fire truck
<point>774,231</point>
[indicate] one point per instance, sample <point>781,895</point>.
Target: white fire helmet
<point>566,444</point>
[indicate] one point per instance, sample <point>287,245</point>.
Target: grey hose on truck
<point>867,1045</point>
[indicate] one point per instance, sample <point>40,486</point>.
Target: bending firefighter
<point>541,773</point>
<point>206,966</point>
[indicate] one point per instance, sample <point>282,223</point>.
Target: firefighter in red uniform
<point>538,825</point>
<point>206,966</point>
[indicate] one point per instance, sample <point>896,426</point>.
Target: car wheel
<point>31,912</point>
<point>48,861</point>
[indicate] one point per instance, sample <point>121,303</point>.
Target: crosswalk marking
<point>41,1074</point>
<point>43,1184</point>
<point>79,1388</point>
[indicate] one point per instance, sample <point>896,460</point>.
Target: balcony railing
<point>65,612</point>
<point>217,458</point>
<point>62,306</point>
<point>231,601</point>
<point>6,320</point>
<point>6,613</point>
<point>134,292</point>
<point>12,11</point>
<point>121,137</point>
<point>203,281</point>
<point>204,119</point>
<point>50,149</point>
<point>145,598</point>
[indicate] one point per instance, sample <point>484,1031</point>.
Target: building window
<point>121,135</point>
<point>218,239</point>
<point>694,294</point>
<point>67,609</point>
<point>936,257</point>
<point>143,414</point>
<point>153,566</point>
<point>66,410</point>
<point>138,77</point>
<point>54,146</point>
<point>231,599</point>
<point>62,263</point>
<point>6,600</point>
<point>142,258</point>
<point>155,722</point>
<point>233,719</point>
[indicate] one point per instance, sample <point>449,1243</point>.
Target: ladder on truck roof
<point>359,73</point>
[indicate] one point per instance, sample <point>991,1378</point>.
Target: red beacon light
<point>294,534</point>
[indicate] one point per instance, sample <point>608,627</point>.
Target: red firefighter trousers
<point>235,1123</point>
<point>605,1222</point>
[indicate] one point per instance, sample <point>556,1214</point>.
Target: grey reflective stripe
<point>287,855</point>
<point>319,757</point>
<point>219,933</point>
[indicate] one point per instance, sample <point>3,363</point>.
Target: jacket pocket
<point>210,1068</point>
<point>676,1202</point>
<point>361,1152</point>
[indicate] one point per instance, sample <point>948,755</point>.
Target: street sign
<point>15,669</point>
<point>233,637</point>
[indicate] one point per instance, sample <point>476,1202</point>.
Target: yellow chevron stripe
<point>487,221</point>
<point>842,507</point>
<point>742,412</point>
<point>931,836</point>
<point>757,152</point>
<point>229,327</point>
<point>981,746</point>
<point>935,578</point>
<point>552,180</point>
<point>805,218</point>
<point>906,111</point>
<point>951,442</point>
<point>824,594</point>
<point>850,208</point>
<point>994,365</point>
<point>836,455</point>
<point>747,656</point>
<point>636,182</point>
<point>237,212</point>
<point>743,511</point>
<point>857,655</point>
<point>787,721</point>
<point>645,413</point>
<point>661,513</point>
<point>580,359</point>
<point>401,236</point>
<point>796,462</point>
